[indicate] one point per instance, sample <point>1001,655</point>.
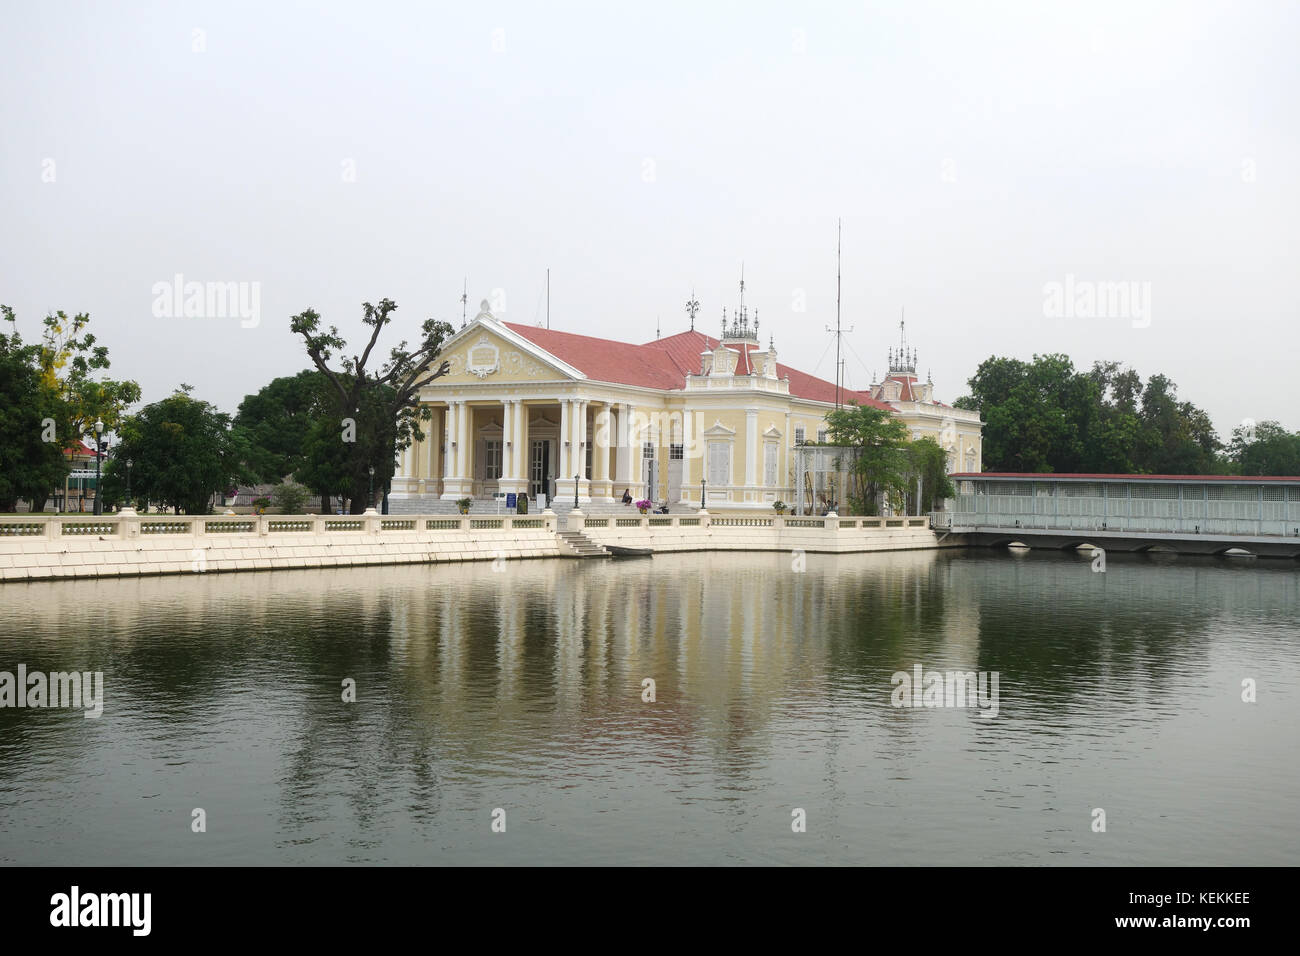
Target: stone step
<point>581,545</point>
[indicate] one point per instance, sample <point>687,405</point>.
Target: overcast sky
<point>336,153</point>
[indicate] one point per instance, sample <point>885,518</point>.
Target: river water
<point>522,691</point>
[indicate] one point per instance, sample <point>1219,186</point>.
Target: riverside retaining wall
<point>831,534</point>
<point>82,546</point>
<point>72,546</point>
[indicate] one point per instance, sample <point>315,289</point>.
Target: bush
<point>290,498</point>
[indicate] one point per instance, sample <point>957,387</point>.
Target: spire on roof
<point>740,328</point>
<point>692,307</point>
<point>902,361</point>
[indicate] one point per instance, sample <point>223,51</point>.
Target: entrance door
<point>675,464</point>
<point>650,479</point>
<point>539,468</point>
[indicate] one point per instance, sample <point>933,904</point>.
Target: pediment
<point>485,352</point>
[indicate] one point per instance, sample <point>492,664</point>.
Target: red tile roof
<point>665,363</point>
<point>81,451</point>
<point>906,381</point>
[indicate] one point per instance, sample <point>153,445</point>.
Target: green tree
<point>383,404</point>
<point>1268,449</point>
<point>928,461</point>
<point>1175,438</point>
<point>31,457</point>
<point>182,450</point>
<point>70,359</point>
<point>276,421</point>
<point>880,462</point>
<point>1044,416</point>
<point>289,498</point>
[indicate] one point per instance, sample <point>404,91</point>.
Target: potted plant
<point>260,505</point>
<point>643,505</point>
<point>463,505</point>
<point>780,507</point>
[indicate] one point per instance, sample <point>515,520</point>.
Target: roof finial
<point>692,307</point>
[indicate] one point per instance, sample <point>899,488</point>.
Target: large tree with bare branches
<point>378,411</point>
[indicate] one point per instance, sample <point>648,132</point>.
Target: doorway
<point>539,469</point>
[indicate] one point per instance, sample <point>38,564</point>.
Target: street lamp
<point>99,453</point>
<point>129,463</point>
<point>575,492</point>
<point>371,469</point>
<point>701,494</point>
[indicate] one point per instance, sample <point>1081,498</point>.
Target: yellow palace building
<point>529,410</point>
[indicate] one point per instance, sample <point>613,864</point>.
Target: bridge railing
<point>1238,527</point>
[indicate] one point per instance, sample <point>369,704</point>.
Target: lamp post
<point>371,469</point>
<point>575,492</point>
<point>701,494</point>
<point>99,453</point>
<point>129,463</point>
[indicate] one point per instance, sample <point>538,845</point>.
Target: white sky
<point>974,151</point>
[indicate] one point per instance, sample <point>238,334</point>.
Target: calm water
<point>522,690</point>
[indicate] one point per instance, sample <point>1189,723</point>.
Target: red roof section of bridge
<point>1050,475</point>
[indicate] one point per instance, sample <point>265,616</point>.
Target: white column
<point>507,433</point>
<point>580,466</point>
<point>600,455</point>
<point>784,462</point>
<point>565,442</point>
<point>434,436</point>
<point>521,440</point>
<point>446,440</point>
<point>627,452</point>
<point>462,441</point>
<point>751,447</point>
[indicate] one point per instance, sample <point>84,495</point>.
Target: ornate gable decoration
<point>717,429</point>
<point>482,358</point>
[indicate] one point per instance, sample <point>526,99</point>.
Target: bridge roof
<point>1063,476</point>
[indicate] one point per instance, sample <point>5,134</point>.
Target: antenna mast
<point>838,330</point>
<point>548,297</point>
<point>464,303</point>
